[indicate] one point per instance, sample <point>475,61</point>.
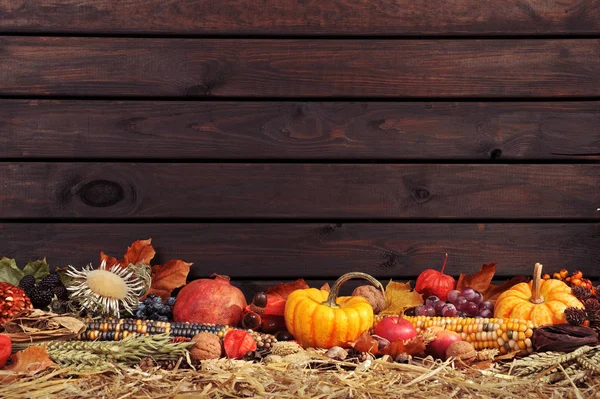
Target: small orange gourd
<point>321,319</point>
<point>541,301</point>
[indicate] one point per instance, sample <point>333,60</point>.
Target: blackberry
<point>49,282</point>
<point>27,283</point>
<point>61,292</point>
<point>41,298</point>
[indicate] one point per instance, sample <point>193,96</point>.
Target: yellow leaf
<point>399,297</point>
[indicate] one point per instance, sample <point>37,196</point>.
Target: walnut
<point>461,350</point>
<point>208,346</point>
<point>372,295</point>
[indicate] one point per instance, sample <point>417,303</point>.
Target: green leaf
<point>38,269</point>
<point>62,273</point>
<point>9,272</point>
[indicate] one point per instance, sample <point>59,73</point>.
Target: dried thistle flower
<point>107,291</point>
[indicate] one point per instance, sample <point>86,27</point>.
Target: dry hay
<point>238,379</point>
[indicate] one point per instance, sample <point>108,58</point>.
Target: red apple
<point>443,339</point>
<point>394,327</point>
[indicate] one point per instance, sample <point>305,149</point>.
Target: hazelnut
<point>208,346</point>
<point>372,295</point>
<point>337,353</point>
<point>461,350</point>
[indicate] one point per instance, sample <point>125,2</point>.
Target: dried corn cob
<point>506,335</point>
<point>112,329</point>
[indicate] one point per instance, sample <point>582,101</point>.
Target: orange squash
<point>541,301</point>
<point>321,319</point>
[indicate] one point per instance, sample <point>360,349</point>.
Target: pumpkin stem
<point>536,285</point>
<point>444,265</point>
<point>335,290</point>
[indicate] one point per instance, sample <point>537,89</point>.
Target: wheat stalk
<point>129,350</point>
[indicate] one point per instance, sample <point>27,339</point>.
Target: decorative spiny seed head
<point>107,291</point>
<point>581,293</point>
<point>575,316</point>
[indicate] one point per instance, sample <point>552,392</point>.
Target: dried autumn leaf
<point>32,359</point>
<point>284,289</point>
<point>399,297</point>
<point>366,343</point>
<point>167,277</point>
<point>141,251</point>
<point>415,345</point>
<point>110,261</point>
<point>410,347</point>
<point>325,287</point>
<point>481,282</point>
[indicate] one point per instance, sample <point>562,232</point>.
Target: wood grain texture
<point>299,130</point>
<point>205,68</point>
<point>307,17</point>
<point>288,250</point>
<point>209,190</point>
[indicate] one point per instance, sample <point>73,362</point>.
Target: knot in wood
<point>101,193</point>
<point>421,195</point>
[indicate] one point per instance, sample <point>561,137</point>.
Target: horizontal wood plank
<point>310,17</point>
<point>212,190</point>
<point>288,250</point>
<point>299,130</point>
<point>205,68</point>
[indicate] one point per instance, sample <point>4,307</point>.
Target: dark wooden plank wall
<point>281,139</point>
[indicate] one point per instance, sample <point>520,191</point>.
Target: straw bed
<point>237,379</point>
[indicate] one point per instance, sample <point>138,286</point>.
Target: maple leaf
<point>366,343</point>
<point>482,282</point>
<point>30,360</point>
<point>141,251</point>
<point>410,347</point>
<point>167,277</point>
<point>284,289</point>
<point>399,297</point>
<point>325,287</point>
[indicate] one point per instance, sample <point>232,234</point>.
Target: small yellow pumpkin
<point>321,319</point>
<point>540,301</point>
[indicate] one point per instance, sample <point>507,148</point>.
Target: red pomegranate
<point>212,300</point>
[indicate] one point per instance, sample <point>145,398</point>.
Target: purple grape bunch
<point>465,303</point>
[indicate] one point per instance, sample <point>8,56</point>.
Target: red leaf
<point>284,289</point>
<point>140,251</point>
<point>366,343</point>
<point>167,277</point>
<point>410,347</point>
<point>237,343</point>
<point>32,359</point>
<point>481,282</point>
<point>110,261</point>
<point>325,287</point>
<point>275,305</point>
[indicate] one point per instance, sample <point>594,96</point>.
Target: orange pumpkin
<point>540,301</point>
<point>319,319</point>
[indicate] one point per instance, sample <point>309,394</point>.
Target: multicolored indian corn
<point>506,335</point>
